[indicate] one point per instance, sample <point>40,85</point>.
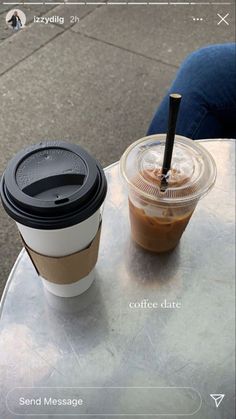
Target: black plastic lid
<point>52,185</point>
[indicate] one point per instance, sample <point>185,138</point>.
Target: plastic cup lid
<point>192,173</point>
<point>52,185</point>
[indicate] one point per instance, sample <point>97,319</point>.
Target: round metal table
<point>154,335</point>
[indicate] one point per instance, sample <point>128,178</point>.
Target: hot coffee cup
<point>54,191</point>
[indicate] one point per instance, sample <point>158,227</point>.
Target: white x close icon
<point>223,19</point>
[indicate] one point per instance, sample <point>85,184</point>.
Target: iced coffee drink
<point>157,234</point>
<point>158,218</point>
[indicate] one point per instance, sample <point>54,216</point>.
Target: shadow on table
<point>151,268</point>
<point>73,304</point>
<point>79,322</point>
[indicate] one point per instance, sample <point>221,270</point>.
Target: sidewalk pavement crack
<point>46,43</point>
<point>140,54</point>
<point>32,53</point>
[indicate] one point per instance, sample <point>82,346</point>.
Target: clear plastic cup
<point>158,218</point>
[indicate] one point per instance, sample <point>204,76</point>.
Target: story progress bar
<point>114,3</point>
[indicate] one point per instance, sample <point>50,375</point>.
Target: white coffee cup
<point>42,194</point>
<point>64,242</point>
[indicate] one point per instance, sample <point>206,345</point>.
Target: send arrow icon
<point>217,398</point>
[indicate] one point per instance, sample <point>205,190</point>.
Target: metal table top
<point>119,360</point>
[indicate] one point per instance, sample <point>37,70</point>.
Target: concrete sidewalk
<point>96,82</point>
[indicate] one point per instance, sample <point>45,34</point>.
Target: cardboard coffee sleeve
<point>66,269</point>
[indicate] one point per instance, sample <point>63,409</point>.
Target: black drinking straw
<point>175,99</point>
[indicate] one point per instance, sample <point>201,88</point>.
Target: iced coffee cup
<point>54,191</point>
<point>159,217</point>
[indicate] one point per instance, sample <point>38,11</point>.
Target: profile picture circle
<point>16,19</point>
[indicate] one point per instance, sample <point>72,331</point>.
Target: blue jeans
<point>207,82</point>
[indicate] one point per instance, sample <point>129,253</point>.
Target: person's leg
<point>207,82</point>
